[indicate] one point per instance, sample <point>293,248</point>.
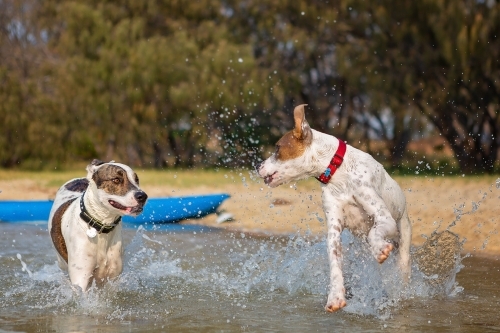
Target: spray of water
<point>164,271</point>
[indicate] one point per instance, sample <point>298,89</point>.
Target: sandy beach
<point>467,205</point>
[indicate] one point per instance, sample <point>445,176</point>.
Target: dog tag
<point>91,232</point>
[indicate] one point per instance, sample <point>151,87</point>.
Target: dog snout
<point>141,196</point>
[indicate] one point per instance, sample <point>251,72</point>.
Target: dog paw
<point>335,304</point>
<point>384,253</point>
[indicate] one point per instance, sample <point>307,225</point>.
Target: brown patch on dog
<point>113,179</point>
<point>294,143</point>
<point>288,147</point>
<point>78,185</point>
<point>56,230</point>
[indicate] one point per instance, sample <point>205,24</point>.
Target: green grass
<point>178,178</point>
<point>171,177</point>
<point>192,178</point>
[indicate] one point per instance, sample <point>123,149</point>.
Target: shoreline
<point>468,204</point>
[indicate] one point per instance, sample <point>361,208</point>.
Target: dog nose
<point>140,196</point>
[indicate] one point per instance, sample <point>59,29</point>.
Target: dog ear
<point>96,162</point>
<point>92,167</point>
<point>301,131</point>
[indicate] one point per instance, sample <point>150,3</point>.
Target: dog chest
<point>356,219</point>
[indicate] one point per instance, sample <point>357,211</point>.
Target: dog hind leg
<point>404,246</point>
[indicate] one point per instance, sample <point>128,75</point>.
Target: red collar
<point>335,163</point>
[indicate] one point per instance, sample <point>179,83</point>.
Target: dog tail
<point>404,246</point>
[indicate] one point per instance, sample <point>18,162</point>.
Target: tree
<point>144,79</point>
<point>441,58</point>
<point>210,82</point>
<point>27,135</point>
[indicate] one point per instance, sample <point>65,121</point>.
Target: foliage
<point>212,83</point>
<point>437,57</point>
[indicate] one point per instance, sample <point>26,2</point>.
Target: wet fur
<point>98,258</point>
<point>361,197</point>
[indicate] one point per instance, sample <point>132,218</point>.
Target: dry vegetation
<point>434,202</point>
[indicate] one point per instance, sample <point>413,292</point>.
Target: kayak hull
<point>156,210</point>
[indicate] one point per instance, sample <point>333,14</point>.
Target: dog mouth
<point>128,210</point>
<point>269,178</point>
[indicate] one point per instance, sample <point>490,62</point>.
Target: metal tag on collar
<point>91,232</point>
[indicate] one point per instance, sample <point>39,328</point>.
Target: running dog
<point>84,221</point>
<point>357,194</point>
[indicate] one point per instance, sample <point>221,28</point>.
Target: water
<point>188,278</point>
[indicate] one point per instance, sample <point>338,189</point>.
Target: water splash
<point>25,268</point>
<point>167,270</point>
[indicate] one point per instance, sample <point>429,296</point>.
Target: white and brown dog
<point>361,196</point>
<point>84,222</point>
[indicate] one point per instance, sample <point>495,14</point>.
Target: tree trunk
<point>399,144</point>
<point>175,149</point>
<point>110,149</point>
<point>474,147</point>
<point>158,156</point>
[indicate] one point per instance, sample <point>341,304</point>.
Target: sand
<point>468,206</point>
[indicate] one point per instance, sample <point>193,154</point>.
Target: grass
<point>171,177</point>
<point>218,178</point>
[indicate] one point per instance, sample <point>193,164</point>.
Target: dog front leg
<point>336,294</point>
<point>80,272</point>
<point>384,225</point>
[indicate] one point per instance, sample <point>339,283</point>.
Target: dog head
<point>116,187</point>
<point>292,158</point>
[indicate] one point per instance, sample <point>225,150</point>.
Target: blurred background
<point>212,83</point>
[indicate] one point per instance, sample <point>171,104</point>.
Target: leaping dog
<point>84,221</point>
<point>357,194</point>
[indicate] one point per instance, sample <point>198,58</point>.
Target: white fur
<point>99,257</point>
<point>360,196</point>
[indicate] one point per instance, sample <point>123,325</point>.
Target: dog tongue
<point>128,209</point>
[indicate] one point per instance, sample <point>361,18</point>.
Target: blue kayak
<point>156,210</point>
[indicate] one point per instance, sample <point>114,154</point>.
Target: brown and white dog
<point>357,194</point>
<point>84,222</point>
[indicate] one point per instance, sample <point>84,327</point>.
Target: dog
<point>84,222</point>
<point>357,194</point>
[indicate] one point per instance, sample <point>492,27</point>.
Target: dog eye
<point>117,180</point>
